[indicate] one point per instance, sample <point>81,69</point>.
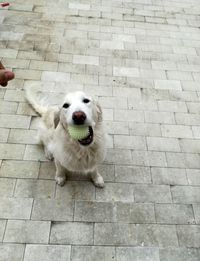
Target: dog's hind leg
<point>97,179</point>
<point>60,173</point>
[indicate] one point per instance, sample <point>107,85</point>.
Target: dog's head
<point>80,109</point>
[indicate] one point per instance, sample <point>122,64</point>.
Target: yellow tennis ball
<point>78,132</point>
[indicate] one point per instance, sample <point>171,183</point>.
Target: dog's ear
<point>98,111</point>
<point>56,117</point>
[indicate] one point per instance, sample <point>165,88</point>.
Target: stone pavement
<point>140,59</point>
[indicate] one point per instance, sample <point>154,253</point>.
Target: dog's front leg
<point>60,173</point>
<point>97,179</point>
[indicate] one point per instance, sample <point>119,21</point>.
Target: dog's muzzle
<point>89,139</point>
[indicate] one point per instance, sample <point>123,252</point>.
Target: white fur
<point>67,153</point>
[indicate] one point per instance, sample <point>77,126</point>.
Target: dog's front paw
<point>98,182</point>
<point>60,180</point>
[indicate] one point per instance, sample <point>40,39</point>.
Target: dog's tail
<point>33,101</point>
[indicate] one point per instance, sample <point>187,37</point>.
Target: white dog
<point>70,154</point>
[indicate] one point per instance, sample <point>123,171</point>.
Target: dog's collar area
<point>89,139</point>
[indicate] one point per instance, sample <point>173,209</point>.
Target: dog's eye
<point>66,105</point>
<point>86,100</point>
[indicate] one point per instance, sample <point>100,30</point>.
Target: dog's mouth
<point>89,139</point>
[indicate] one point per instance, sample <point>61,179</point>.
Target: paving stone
<point>22,136</point>
<point>4,134</point>
<point>47,170</point>
<point>130,142</point>
<point>2,229</point>
<point>90,253</point>
<point>55,76</point>
<point>176,131</point>
<point>163,144</point>
<point>11,151</point>
<point>188,236</point>
<point>19,169</point>
<point>129,234</point>
<point>7,187</point>
<point>76,190</point>
<point>52,209</point>
<point>118,156</point>
<point>144,129</point>
<point>185,194</point>
<point>107,171</point>
<point>169,176</point>
<point>152,193</point>
<point>159,117</point>
<point>47,252</point>
<point>183,160</point>
<point>130,174</point>
<point>134,213</point>
<point>174,214</point>
<point>115,234</point>
<point>71,233</point>
<point>25,231</point>
<point>164,84</point>
<point>196,208</point>
<point>13,252</point>
<point>14,121</point>
<point>115,192</point>
<point>91,211</point>
<point>137,253</point>
<point>13,208</point>
<point>173,106</point>
<point>8,107</point>
<point>147,158</point>
<point>193,176</point>
<point>34,152</point>
<point>26,188</point>
<point>179,254</point>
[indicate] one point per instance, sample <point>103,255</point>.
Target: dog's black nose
<point>79,117</point>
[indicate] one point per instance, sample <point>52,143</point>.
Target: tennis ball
<point>78,132</point>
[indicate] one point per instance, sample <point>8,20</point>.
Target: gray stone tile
<point>169,176</point>
<point>137,213</point>
<point>189,236</point>
<point>12,151</point>
<point>91,253</point>
<point>7,187</point>
<point>115,234</point>
<point>47,253</point>
<point>52,209</point>
<point>137,253</point>
<point>26,231</point>
<point>174,214</point>
<point>26,188</point>
<point>19,169</point>
<point>2,228</point>
<point>157,235</point>
<point>91,211</point>
<point>193,176</point>
<point>74,233</point>
<point>115,192</point>
<point>79,190</point>
<point>47,170</point>
<point>15,208</point>
<point>185,194</point>
<point>179,254</point>
<point>129,234</point>
<point>132,174</point>
<point>107,171</point>
<point>152,193</point>
<point>12,252</point>
<point>196,208</point>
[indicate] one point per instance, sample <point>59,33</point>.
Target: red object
<point>4,4</point>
